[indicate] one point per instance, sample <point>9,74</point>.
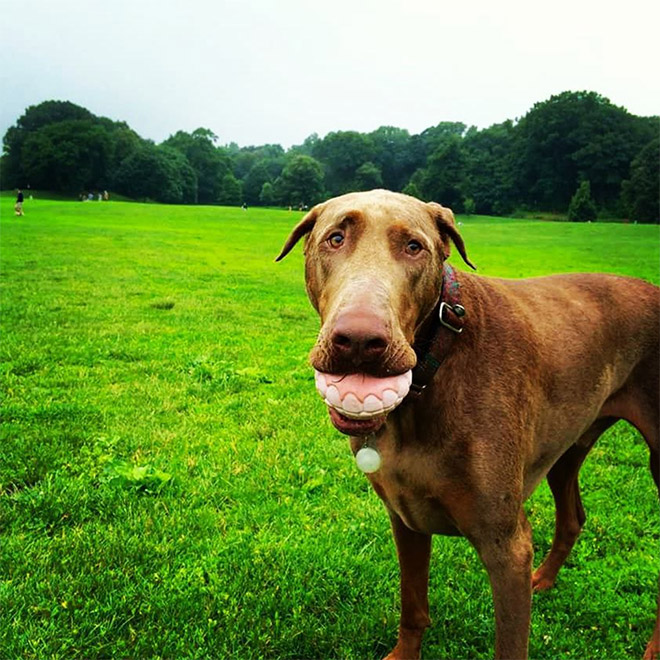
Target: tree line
<point>574,141</point>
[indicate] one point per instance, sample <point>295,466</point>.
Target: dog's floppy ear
<point>446,223</point>
<point>303,227</point>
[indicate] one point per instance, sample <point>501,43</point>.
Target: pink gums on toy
<point>361,397</point>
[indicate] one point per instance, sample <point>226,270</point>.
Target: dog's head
<point>373,267</point>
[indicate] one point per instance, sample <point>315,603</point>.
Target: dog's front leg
<point>508,560</point>
<point>414,551</point>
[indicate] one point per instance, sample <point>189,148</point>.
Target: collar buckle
<point>458,310</point>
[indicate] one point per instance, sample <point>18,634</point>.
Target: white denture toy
<point>359,396</point>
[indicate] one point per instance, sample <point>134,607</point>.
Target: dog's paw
<point>542,582</point>
<point>405,651</point>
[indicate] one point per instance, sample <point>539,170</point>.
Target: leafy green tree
<point>51,112</point>
<point>640,193</point>
<point>412,189</point>
<point>267,195</point>
<point>443,178</point>
<point>571,137</point>
<point>341,153</point>
<point>124,142</point>
<point>243,160</point>
<point>368,177</point>
<point>394,156</point>
<point>301,182</point>
<point>271,155</point>
<point>71,155</point>
<point>582,207</point>
<point>254,166</point>
<point>490,168</point>
<point>156,173</point>
<point>82,152</point>
<point>254,182</point>
<point>230,192</point>
<point>210,163</point>
<point>431,139</point>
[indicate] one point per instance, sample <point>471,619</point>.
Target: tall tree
<point>157,173</point>
<point>73,155</point>
<point>443,179</point>
<point>582,207</point>
<point>210,163</point>
<point>230,192</point>
<point>490,168</point>
<point>341,153</point>
<point>394,156</point>
<point>571,137</point>
<point>254,182</point>
<point>244,159</point>
<point>430,139</point>
<point>301,182</point>
<point>36,118</point>
<point>267,195</point>
<point>368,176</point>
<point>640,194</point>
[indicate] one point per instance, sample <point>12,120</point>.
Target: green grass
<point>171,487</point>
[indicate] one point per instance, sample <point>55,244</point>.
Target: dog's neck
<point>438,332</point>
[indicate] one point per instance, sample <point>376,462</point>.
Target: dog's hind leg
<point>569,513</point>
<point>649,426</point>
<point>639,406</point>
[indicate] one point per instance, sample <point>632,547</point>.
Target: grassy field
<point>171,486</point>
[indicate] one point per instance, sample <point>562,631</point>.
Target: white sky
<point>259,71</point>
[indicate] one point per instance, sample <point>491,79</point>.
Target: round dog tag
<point>368,460</point>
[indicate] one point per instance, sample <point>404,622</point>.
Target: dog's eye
<point>413,248</point>
<point>336,239</point>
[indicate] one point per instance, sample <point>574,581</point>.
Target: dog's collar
<point>446,323</point>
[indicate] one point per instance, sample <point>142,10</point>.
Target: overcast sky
<point>259,71</point>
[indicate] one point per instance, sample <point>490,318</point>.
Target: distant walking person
<point>18,207</point>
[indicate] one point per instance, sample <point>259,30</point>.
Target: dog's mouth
<point>358,403</point>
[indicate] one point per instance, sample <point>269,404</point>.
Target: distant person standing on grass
<point>18,207</point>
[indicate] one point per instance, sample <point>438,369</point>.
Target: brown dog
<point>523,377</point>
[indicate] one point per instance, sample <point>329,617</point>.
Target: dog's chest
<point>414,486</point>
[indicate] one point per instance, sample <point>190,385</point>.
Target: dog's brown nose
<point>359,336</point>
